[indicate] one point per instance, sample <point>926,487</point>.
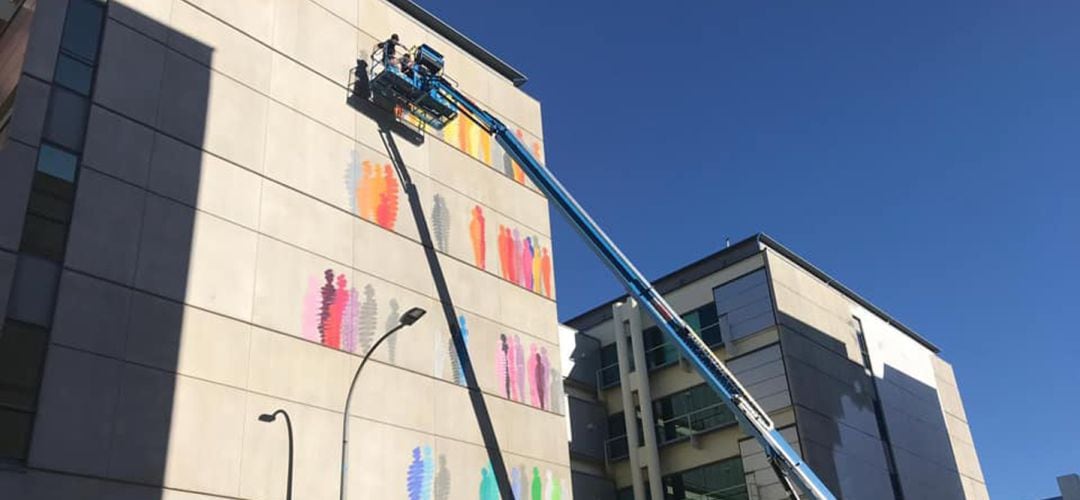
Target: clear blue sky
<point>927,155</point>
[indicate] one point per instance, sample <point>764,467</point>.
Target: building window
<point>693,411</point>
<point>608,375</point>
<point>82,30</point>
<point>74,74</point>
<point>723,480</point>
<point>48,212</point>
<point>617,447</point>
<point>746,303</point>
<point>22,355</point>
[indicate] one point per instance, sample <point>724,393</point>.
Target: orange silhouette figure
<point>545,272</point>
<point>386,214</point>
<point>476,233</point>
<point>377,195</point>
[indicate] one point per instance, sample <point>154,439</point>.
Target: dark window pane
<point>22,352</point>
<point>14,433</point>
<point>74,74</point>
<point>49,207</point>
<point>66,123</point>
<point>723,480</point>
<point>54,186</point>
<point>57,163</point>
<point>43,237</point>
<point>82,29</point>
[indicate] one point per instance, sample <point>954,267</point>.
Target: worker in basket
<point>389,48</point>
<point>407,66</point>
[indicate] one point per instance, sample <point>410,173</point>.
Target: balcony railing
<point>677,428</point>
<point>685,426</point>
<point>737,492</point>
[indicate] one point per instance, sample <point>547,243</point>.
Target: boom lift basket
<point>414,93</point>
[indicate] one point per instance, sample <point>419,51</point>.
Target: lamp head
<point>266,417</point>
<point>412,316</point>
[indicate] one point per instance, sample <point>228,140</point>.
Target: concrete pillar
<point>622,350</point>
<point>628,315</point>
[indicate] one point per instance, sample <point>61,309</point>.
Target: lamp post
<point>411,316</point>
<point>270,417</point>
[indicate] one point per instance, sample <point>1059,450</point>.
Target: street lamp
<point>411,316</point>
<point>270,417</point>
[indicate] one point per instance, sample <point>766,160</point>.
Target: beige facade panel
<point>206,182</point>
<point>227,50</point>
<point>91,314</point>
<point>315,36</point>
<point>312,94</point>
<point>210,110</point>
<point>170,336</point>
<point>151,17</point>
<point>125,52</point>
<point>75,421</point>
<point>118,146</point>
<point>104,235</point>
<point>191,256</point>
<point>811,304</point>
<point>254,17</point>
<point>761,481</point>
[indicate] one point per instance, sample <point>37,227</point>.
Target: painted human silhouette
<point>442,480</point>
<point>502,363</point>
<point>537,488</point>
<point>488,489</point>
<point>476,234</point>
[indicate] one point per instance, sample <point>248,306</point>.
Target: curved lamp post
<point>270,417</point>
<point>410,317</point>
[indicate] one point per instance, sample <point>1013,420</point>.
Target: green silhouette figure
<point>537,485</point>
<point>488,489</point>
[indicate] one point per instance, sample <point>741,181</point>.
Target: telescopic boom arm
<point>754,421</point>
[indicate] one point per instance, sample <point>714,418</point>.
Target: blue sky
<point>927,155</point>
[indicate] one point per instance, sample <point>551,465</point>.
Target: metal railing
<point>736,492</point>
<point>674,429</point>
<point>616,448</point>
<point>685,426</point>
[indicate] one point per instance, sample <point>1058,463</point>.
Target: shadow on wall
<point>106,409</point>
<point>924,454</point>
<point>834,413</point>
<point>839,427</point>
<point>466,374</point>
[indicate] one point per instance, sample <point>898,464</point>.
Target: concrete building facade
<point>867,402</point>
<point>196,228</point>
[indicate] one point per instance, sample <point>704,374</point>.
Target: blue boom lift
<point>428,94</point>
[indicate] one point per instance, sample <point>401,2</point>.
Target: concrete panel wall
<point>240,237</point>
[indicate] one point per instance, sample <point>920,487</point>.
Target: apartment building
<point>869,403</point>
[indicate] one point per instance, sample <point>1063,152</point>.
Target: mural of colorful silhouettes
<point>423,481</point>
<point>526,376</point>
<point>336,314</point>
<point>373,191</point>
<point>525,486</point>
<point>469,138</point>
<point>524,261</point>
